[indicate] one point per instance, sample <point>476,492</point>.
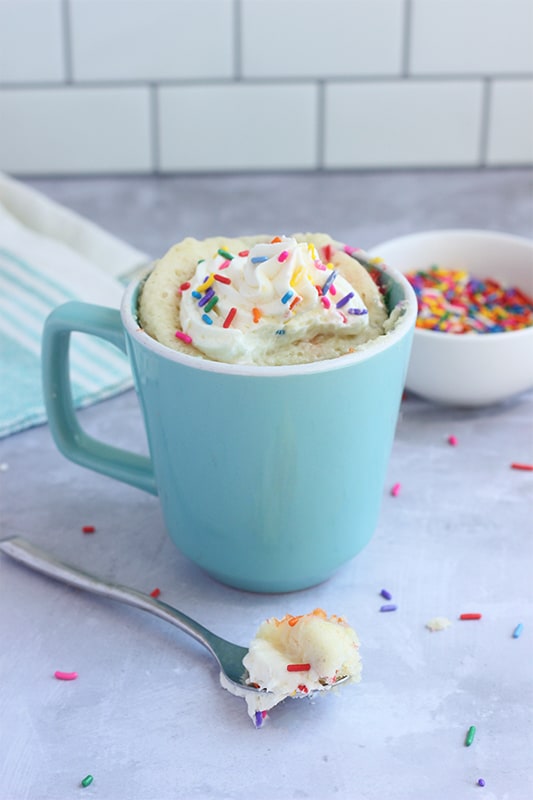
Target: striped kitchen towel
<point>49,255</point>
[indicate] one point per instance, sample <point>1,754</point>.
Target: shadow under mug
<point>269,478</point>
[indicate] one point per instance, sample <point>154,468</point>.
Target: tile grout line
<point>67,41</point>
<point>320,125</point>
<point>154,129</point>
<point>485,121</point>
<point>237,44</point>
<point>406,53</point>
<point>115,83</point>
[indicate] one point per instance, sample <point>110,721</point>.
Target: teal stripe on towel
<point>40,278</point>
<point>98,369</point>
<point>104,359</point>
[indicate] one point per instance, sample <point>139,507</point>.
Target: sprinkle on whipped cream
<point>278,288</point>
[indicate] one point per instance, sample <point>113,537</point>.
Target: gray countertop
<point>146,716</point>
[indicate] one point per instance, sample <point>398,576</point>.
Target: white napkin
<point>48,255</point>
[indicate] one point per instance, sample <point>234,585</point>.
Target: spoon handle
<point>40,561</point>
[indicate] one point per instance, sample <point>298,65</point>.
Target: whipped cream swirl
<point>240,306</point>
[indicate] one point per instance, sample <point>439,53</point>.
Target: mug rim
<point>404,324</point>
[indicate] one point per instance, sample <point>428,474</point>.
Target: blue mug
<point>269,478</point>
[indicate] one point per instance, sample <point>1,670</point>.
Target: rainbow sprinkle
<point>470,735</point>
<point>329,281</point>
<point>344,300</point>
<point>184,337</point>
<point>259,718</point>
<point>211,304</point>
<point>206,298</point>
<point>65,676</point>
<point>351,250</point>
<point>454,302</point>
<point>229,318</point>
<point>206,284</point>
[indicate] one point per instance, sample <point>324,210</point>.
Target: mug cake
<point>262,300</point>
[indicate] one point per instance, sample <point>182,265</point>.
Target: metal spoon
<point>229,656</point>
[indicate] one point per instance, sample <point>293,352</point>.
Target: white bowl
<point>468,369</point>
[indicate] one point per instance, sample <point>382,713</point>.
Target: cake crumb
<point>438,624</point>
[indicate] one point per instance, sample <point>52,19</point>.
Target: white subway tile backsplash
<point>195,85</point>
<point>404,123</point>
<point>471,37</point>
<point>321,38</point>
<point>238,126</point>
<point>31,41</point>
<point>74,130</point>
<point>511,123</point>
<point>152,39</point>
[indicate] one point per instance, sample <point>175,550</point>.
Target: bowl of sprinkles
<point>473,342</point>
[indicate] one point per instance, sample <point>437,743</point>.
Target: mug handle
<point>69,437</point>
